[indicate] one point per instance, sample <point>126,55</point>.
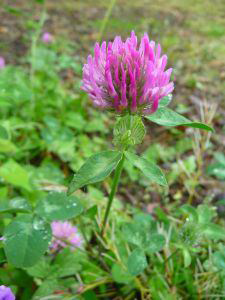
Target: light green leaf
<point>213,231</point>
<point>25,240</point>
<point>220,157</point>
<point>75,120</point>
<point>46,289</point>
<point>145,221</point>
<point>167,117</point>
<point>15,174</point>
<point>190,233</point>
<point>217,168</point>
<point>95,125</point>
<point>134,234</point>
<point>3,133</point>
<point>120,275</point>
<point>165,101</point>
<point>205,213</point>
<point>156,243</point>
<point>149,169</point>
<point>187,257</point>
<point>95,169</point>
<point>3,192</point>
<point>6,146</point>
<point>219,260</point>
<point>137,262</point>
<point>191,211</point>
<point>59,206</point>
<point>17,204</point>
<point>40,269</point>
<point>65,264</point>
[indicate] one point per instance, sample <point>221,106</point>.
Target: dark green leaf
<point>40,1</point>
<point>145,221</point>
<point>59,206</point>
<point>91,212</point>
<point>46,288</point>
<point>95,169</point>
<point>15,205</point>
<point>2,257</point>
<point>26,240</point>
<point>167,117</point>
<point>149,169</point>
<point>88,295</point>
<point>40,269</point>
<point>120,275</point>
<point>13,10</point>
<point>137,262</point>
<point>161,215</point>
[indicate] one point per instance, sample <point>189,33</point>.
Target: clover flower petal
<point>127,76</point>
<point>6,293</point>
<point>65,234</point>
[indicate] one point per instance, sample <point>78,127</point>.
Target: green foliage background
<point>163,243</point>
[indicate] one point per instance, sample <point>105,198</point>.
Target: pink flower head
<point>6,293</point>
<point>127,76</point>
<point>65,234</point>
<point>47,38</point>
<point>2,62</point>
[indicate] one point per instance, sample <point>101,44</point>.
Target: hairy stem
<point>113,191</point>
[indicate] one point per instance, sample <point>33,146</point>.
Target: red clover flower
<point>47,38</point>
<point>64,235</point>
<point>127,76</point>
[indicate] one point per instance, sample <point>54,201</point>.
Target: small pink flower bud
<point>64,235</point>
<point>2,62</point>
<point>47,38</point>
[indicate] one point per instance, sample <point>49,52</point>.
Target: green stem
<point>106,18</point>
<point>113,191</point>
<point>34,41</point>
<point>171,255</point>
